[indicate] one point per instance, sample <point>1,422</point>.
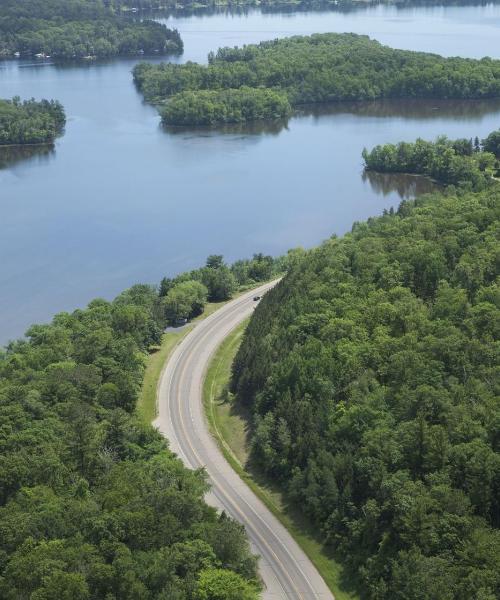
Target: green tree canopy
<point>264,81</point>
<point>492,143</point>
<point>93,505</point>
<point>371,373</point>
<point>185,300</point>
<point>221,584</point>
<point>65,29</point>
<point>447,161</point>
<point>30,122</point>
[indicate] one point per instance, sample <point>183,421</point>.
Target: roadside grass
<point>156,361</point>
<point>158,356</point>
<point>230,426</point>
<point>146,403</point>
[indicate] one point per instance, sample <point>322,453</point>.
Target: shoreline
<point>35,144</point>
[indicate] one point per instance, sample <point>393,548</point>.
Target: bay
<point>119,200</point>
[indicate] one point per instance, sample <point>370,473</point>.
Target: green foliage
<point>221,584</point>
<point>30,122</point>
<point>260,268</point>
<point>455,162</point>
<point>185,300</point>
<point>372,373</point>
<point>92,503</point>
<point>185,296</point>
<point>492,143</point>
<point>208,107</point>
<point>218,279</point>
<point>268,78</point>
<point>79,28</point>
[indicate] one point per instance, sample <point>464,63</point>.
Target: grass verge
<point>147,402</point>
<point>229,424</point>
<point>156,361</point>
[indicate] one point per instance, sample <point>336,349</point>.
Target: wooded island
<point>301,70</point>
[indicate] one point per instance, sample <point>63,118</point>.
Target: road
<point>286,571</point>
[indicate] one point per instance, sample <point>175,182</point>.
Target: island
<point>309,69</point>
<point>30,121</point>
<point>207,107</point>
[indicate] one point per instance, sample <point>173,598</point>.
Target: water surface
<point>119,200</point>
<point>471,31</point>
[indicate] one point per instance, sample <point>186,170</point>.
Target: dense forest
<point>78,28</point>
<point>30,122</point>
<point>318,68</point>
<point>372,374</point>
<point>207,107</point>
<point>92,503</point>
<point>462,162</point>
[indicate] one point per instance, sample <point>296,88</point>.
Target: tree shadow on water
<point>406,186</point>
<point>236,130</point>
<point>13,155</point>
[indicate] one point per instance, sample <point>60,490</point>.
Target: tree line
<point>371,372</point>
<point>68,29</point>
<point>462,162</point>
<point>281,5</point>
<point>312,69</point>
<point>93,505</point>
<point>30,122</point>
<point>185,296</point>
<point>208,107</point>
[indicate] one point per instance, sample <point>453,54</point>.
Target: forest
<point>314,69</point>
<point>30,122</point>
<point>92,503</point>
<point>208,107</point>
<point>372,372</point>
<point>75,29</point>
<point>462,162</point>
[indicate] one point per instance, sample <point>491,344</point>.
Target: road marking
<point>234,507</point>
<point>228,501</point>
<point>190,345</point>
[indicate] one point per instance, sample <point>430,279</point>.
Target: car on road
<point>256,298</point>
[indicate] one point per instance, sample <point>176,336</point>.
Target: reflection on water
<point>11,155</point>
<point>301,6</point>
<point>253,128</point>
<point>353,6</point>
<point>447,29</point>
<point>387,108</point>
<point>407,108</point>
<point>406,186</point>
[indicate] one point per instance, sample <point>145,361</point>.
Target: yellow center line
<point>221,490</point>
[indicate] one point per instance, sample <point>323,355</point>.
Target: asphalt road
<point>285,569</point>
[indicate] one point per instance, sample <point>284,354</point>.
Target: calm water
<point>119,200</point>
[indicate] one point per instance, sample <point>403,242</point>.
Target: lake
<point>120,200</point>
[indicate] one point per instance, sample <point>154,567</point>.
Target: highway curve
<point>285,569</point>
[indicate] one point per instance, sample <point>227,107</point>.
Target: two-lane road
<point>286,571</point>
